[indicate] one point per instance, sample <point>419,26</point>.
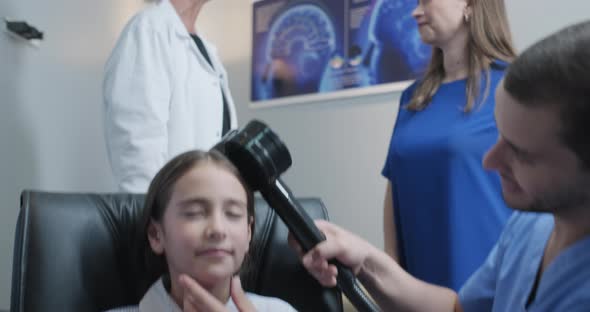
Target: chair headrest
<point>78,252</point>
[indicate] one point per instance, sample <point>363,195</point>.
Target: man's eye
<point>523,157</point>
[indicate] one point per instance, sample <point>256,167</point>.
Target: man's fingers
<point>316,260</point>
<point>294,244</point>
<point>322,252</point>
<point>196,298</point>
<point>239,296</point>
<point>319,267</point>
<point>188,304</point>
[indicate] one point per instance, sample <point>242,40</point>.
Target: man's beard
<point>563,201</point>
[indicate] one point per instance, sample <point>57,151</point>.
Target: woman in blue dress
<point>442,211</point>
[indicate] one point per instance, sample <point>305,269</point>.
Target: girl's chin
<point>210,279</point>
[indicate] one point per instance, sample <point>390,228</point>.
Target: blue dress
<point>448,209</point>
<point>505,281</point>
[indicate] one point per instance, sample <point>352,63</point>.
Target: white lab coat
<point>161,97</point>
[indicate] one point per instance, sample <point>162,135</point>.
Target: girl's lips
<point>214,252</point>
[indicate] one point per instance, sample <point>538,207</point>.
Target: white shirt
<point>157,299</point>
<point>161,97</point>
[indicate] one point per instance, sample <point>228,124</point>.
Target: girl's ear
<point>156,237</point>
<point>250,223</point>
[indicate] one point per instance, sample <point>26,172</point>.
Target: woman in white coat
<point>165,92</point>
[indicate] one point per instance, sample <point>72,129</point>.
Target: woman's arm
<point>389,229</point>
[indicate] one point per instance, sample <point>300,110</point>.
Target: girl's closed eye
<point>235,212</point>
<point>194,212</point>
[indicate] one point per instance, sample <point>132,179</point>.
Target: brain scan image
<point>301,41</point>
<point>395,48</point>
<point>301,47</point>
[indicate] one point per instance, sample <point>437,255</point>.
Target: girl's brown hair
<point>158,197</point>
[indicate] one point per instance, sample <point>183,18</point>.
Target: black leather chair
<point>74,252</point>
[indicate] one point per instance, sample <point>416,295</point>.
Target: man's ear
<point>155,235</point>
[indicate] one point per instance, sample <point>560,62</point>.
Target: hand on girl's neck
<point>221,291</point>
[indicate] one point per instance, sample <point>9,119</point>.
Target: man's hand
<point>196,298</point>
<point>340,244</point>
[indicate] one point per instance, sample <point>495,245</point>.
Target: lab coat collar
<point>173,17</point>
<point>181,31</point>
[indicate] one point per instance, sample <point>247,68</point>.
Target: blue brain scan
<point>301,42</point>
<point>396,51</point>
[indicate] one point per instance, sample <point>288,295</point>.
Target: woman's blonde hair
<point>489,40</point>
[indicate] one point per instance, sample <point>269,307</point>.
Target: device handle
<point>280,198</point>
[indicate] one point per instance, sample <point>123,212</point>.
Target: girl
<point>197,222</point>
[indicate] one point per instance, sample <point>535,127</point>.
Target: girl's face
<point>205,231</point>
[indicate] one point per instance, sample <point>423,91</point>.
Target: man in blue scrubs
<point>542,259</point>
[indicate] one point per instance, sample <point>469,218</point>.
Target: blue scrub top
<point>505,281</point>
<point>448,210</point>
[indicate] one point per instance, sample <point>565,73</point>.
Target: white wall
<point>50,105</point>
<point>532,20</point>
<point>50,109</point>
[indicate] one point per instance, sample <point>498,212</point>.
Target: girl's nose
<point>216,227</point>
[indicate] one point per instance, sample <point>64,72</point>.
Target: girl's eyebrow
<point>236,202</point>
<point>204,202</point>
<point>192,200</point>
